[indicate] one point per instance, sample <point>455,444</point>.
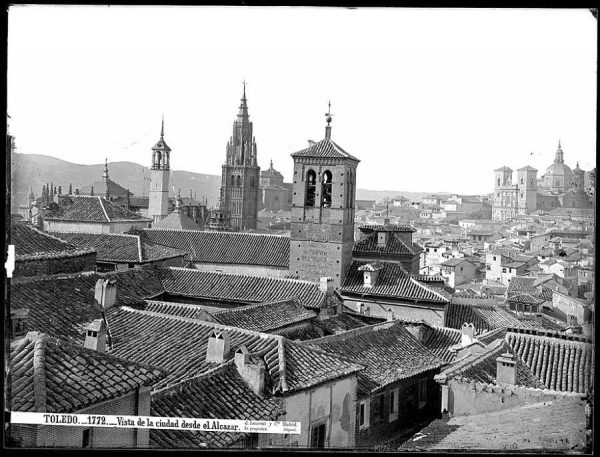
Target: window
<point>363,414</point>
<point>311,188</point>
<point>238,180</point>
<point>522,182</point>
<point>394,401</point>
<point>494,258</point>
<point>317,436</point>
<point>498,181</point>
<point>504,270</point>
<point>86,439</point>
<point>326,189</point>
<point>422,393</point>
<point>461,268</point>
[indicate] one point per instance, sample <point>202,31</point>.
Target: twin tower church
<point>322,203</point>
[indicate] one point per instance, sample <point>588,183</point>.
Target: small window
<point>317,436</point>
<point>363,414</point>
<point>86,439</point>
<point>311,188</point>
<point>326,189</point>
<point>504,270</point>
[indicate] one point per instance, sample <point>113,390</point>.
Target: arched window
<point>498,181</point>
<point>311,188</point>
<point>232,180</point>
<point>238,180</point>
<point>326,189</point>
<point>522,181</point>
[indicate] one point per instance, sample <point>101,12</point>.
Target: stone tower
<point>527,184</point>
<point>240,177</point>
<point>158,204</point>
<point>322,229</point>
<point>505,195</point>
<point>578,178</point>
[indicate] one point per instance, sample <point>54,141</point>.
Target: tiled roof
<point>264,317</point>
<point>49,375</point>
<point>113,247</point>
<point>324,148</point>
<point>367,228</point>
<point>562,429</point>
<point>393,281</point>
<point>93,209</point>
<point>62,306</point>
<point>114,189</point>
<point>388,351</point>
<point>560,363</point>
<point>482,367</point>
<point>439,340</point>
<point>226,247</point>
<point>33,244</point>
<point>219,394</point>
<point>393,245</point>
<point>242,288</point>
<point>190,311</point>
<point>179,346</point>
<point>342,322</point>
<point>454,261</point>
<point>177,220</point>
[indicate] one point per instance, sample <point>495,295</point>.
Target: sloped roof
<point>226,247</point>
<point>49,375</point>
<point>560,363</point>
<point>563,429</point>
<point>342,322</point>
<point>221,393</point>
<point>177,220</point>
<point>241,288</point>
<point>264,317</point>
<point>325,148</point>
<point>482,367</point>
<point>393,282</point>
<point>93,209</point>
<point>454,261</point>
<point>179,346</point>
<point>119,247</point>
<point>100,186</point>
<point>388,351</point>
<point>63,306</point>
<point>33,244</point>
<point>394,245</point>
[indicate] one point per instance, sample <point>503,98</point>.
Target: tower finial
<point>244,83</point>
<point>105,175</point>
<point>271,164</point>
<point>162,127</point>
<point>328,119</point>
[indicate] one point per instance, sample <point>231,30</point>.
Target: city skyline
<point>456,107</point>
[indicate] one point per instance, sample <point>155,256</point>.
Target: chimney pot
<point>368,311</point>
<point>95,336</point>
<point>105,293</point>
<point>252,373</point>
<point>218,346</point>
<point>468,334</point>
<point>326,285</point>
<point>390,315</point>
<point>506,369</point>
<point>381,238</point>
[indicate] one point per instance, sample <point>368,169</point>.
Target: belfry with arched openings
<point>322,225</point>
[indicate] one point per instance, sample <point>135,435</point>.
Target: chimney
<point>386,221</point>
<point>370,273</point>
<point>326,285</point>
<point>390,315</point>
<point>360,307</point>
<point>381,239</point>
<point>252,372</point>
<point>106,293</point>
<point>468,334</point>
<point>572,321</point>
<point>506,369</point>
<point>18,319</point>
<point>368,311</point>
<point>539,319</point>
<point>218,347</point>
<point>95,335</point>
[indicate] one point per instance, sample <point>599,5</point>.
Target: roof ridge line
<point>139,246</point>
<point>215,232</point>
<point>222,366</point>
<point>476,358</point>
<point>244,275</point>
<point>282,363</point>
<point>254,305</point>
<point>39,371</point>
<point>103,209</point>
<point>420,284</point>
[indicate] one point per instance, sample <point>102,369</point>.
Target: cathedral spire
<point>162,127</point>
<point>243,113</point>
<point>105,174</point>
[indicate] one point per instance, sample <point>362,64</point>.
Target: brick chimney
<point>106,293</point>
<point>539,319</point>
<point>95,335</point>
<point>18,319</point>
<point>506,369</point>
<point>253,372</point>
<point>468,334</point>
<point>326,285</point>
<point>218,346</point>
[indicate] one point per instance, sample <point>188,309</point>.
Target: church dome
<point>559,169</point>
<point>558,176</point>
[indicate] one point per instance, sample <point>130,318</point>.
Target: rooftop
<point>325,148</point>
<point>49,375</point>
<point>82,208</point>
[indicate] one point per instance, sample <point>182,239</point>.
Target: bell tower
<point>158,204</point>
<point>240,174</point>
<point>322,229</point>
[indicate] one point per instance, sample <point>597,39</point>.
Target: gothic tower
<point>158,204</point>
<point>322,231</point>
<point>240,176</point>
<point>527,183</point>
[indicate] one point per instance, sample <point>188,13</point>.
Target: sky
<point>428,99</point>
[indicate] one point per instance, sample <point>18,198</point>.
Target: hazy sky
<point>427,99</point>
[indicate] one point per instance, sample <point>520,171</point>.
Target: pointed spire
<point>243,112</point>
<point>271,167</point>
<point>559,158</point>
<point>162,127</point>
<point>105,175</point>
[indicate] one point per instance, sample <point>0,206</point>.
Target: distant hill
<point>35,170</point>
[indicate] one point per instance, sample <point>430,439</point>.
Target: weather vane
<point>328,113</point>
